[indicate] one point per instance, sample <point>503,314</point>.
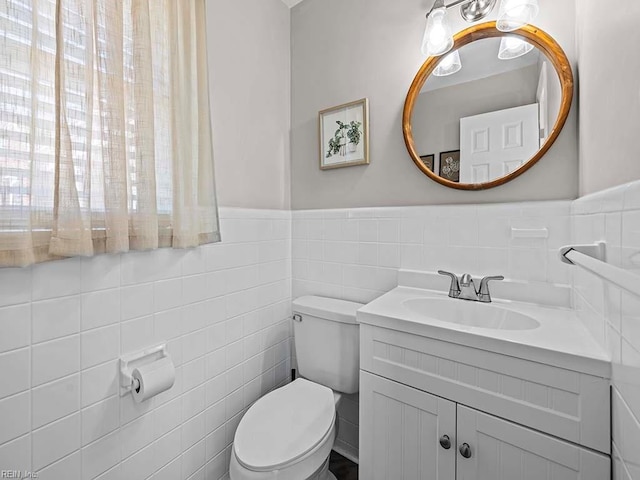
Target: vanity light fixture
<point>513,47</point>
<point>514,14</point>
<point>449,65</point>
<point>438,38</point>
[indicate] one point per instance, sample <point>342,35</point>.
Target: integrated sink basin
<point>470,314</point>
<point>515,326</point>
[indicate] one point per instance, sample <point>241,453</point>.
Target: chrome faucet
<point>465,288</point>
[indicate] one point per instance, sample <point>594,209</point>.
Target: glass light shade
<point>449,65</point>
<point>513,47</point>
<point>437,39</point>
<point>514,14</point>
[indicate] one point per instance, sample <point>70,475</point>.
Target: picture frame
<point>429,161</point>
<point>344,135</point>
<point>450,165</point>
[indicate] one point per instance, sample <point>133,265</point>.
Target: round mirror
<point>488,110</point>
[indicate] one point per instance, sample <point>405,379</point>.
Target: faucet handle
<point>454,288</point>
<point>483,293</point>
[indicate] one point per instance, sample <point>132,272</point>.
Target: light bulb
<point>512,43</point>
<point>513,47</point>
<point>437,39</point>
<point>517,11</point>
<point>514,14</point>
<point>448,65</point>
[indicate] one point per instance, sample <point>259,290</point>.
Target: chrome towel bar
<point>593,259</point>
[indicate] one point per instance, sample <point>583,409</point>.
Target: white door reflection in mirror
<point>542,97</point>
<point>496,143</point>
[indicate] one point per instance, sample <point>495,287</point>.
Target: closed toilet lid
<point>284,425</point>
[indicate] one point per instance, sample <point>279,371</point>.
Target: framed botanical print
<point>344,135</point>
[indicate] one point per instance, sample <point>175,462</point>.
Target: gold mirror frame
<point>535,36</point>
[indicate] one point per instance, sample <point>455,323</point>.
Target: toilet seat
<point>285,426</point>
<point>313,466</point>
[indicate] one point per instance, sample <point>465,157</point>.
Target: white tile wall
<point>347,442</point>
<point>224,311</point>
<point>613,316</point>
<point>354,254</point>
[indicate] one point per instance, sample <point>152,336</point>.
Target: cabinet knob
<point>465,450</point>
<point>445,442</point>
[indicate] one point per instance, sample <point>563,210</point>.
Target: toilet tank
<point>327,342</point>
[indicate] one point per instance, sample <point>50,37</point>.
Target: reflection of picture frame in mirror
<point>450,165</point>
<point>344,135</point>
<point>428,161</point>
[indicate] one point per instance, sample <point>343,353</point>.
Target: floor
<point>343,468</point>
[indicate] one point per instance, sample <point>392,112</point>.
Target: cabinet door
<point>400,431</point>
<point>502,450</point>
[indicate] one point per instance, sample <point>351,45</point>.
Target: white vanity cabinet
<point>505,450</point>
<point>521,420</point>
<point>400,428</point>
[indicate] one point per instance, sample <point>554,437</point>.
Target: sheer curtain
<point>105,138</point>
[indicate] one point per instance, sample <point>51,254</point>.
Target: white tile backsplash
<point>353,254</point>
<point>55,359</point>
<point>172,470</point>
<point>55,400</point>
<point>101,455</point>
<point>101,308</point>
<point>16,286</point>
<point>100,345</point>
<point>136,301</point>
<point>16,332</point>
<point>55,318</point>
<point>168,294</point>
<point>224,311</point>
<point>17,453</point>
<point>47,281</point>
<point>139,465</point>
<point>98,383</point>
<point>136,334</point>
<point>613,316</point>
<point>99,273</point>
<point>68,468</point>
<point>56,440</point>
<point>15,367</point>
<point>64,324</point>
<point>15,416</point>
<point>100,419</point>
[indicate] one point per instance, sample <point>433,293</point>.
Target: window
<point>105,141</point>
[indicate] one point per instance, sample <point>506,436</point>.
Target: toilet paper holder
<point>133,360</point>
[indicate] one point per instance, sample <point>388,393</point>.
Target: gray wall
<point>609,67</point>
<point>249,61</point>
<point>436,118</point>
<point>343,50</point>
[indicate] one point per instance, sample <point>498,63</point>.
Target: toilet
<point>288,434</point>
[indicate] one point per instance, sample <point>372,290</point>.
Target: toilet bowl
<point>288,434</point>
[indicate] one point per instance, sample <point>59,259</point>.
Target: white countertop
<point>561,340</point>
